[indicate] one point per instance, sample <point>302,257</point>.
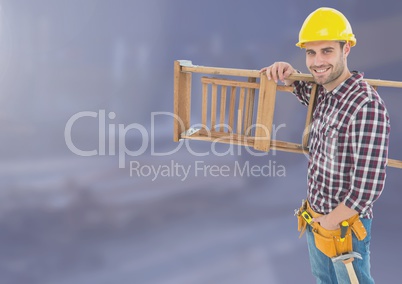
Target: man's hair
<point>342,44</point>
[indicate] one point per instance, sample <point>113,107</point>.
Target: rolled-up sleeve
<point>302,91</point>
<point>368,139</point>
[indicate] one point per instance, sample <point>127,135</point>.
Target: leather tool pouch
<point>359,230</point>
<point>329,241</point>
<point>301,225</point>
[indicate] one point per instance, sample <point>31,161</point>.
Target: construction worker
<point>348,145</point>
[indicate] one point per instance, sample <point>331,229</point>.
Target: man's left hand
<point>326,223</point>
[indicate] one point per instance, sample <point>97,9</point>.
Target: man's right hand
<point>279,70</point>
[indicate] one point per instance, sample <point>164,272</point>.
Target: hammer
<point>347,259</point>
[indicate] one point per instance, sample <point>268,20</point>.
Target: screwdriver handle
<point>344,228</point>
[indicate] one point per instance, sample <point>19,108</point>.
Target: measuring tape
<point>306,216</point>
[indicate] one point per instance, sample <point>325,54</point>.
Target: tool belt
<point>329,241</point>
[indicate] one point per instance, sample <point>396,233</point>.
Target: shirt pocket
<point>329,140</point>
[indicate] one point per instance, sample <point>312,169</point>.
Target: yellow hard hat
<point>326,24</point>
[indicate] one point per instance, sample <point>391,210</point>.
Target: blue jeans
<point>327,272</point>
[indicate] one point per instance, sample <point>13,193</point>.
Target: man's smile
<point>320,70</point>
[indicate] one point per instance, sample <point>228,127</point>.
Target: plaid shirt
<point>348,146</point>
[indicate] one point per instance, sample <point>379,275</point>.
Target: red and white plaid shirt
<point>348,146</point>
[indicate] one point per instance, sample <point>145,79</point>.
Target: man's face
<point>326,61</point>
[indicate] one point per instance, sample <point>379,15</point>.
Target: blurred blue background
<point>66,218</point>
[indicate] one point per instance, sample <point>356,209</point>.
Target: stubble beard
<point>337,71</point>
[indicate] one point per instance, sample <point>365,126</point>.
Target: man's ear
<point>346,48</point>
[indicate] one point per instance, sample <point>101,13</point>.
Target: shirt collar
<point>346,85</point>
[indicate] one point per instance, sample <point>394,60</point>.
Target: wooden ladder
<point>240,110</point>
